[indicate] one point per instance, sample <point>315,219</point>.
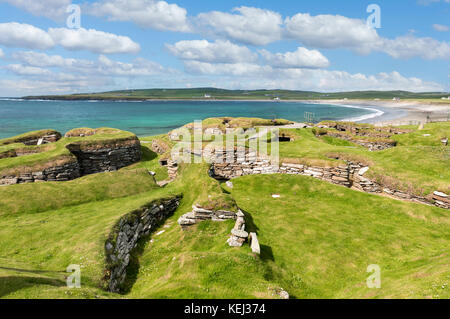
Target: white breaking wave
<point>375,113</point>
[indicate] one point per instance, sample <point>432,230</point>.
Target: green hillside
<point>317,239</point>
<point>222,94</point>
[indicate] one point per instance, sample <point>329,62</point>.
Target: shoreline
<point>395,112</point>
<point>384,112</point>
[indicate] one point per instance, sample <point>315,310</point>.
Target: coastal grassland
<point>27,136</point>
<point>319,239</point>
<point>39,197</point>
<point>418,163</point>
<point>53,154</point>
<point>36,249</point>
<point>222,94</point>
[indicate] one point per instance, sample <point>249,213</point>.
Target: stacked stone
<point>238,233</point>
<point>50,138</point>
<point>441,199</point>
<point>127,233</point>
<point>172,169</point>
<point>199,214</point>
<point>107,159</point>
<point>60,173</point>
<point>159,147</point>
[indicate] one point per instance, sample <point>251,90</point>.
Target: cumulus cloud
<point>19,69</point>
<point>53,9</point>
<point>301,58</point>
<point>139,67</point>
<point>410,46</point>
<point>93,40</point>
<point>217,52</point>
<point>44,60</point>
<point>238,69</point>
<point>158,15</point>
<point>102,66</point>
<point>249,25</point>
<point>331,31</point>
<point>440,27</point>
<point>20,35</point>
<point>267,77</point>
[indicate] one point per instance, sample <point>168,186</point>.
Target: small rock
<point>229,184</point>
<point>363,170</point>
<point>440,194</point>
<point>239,233</point>
<point>276,195</point>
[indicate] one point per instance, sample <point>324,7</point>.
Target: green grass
<point>418,164</point>
<point>316,240</point>
<point>27,136</point>
<point>323,237</point>
<point>38,197</point>
<point>35,249</point>
<point>57,153</point>
<point>221,94</point>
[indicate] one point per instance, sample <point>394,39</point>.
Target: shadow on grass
<point>11,284</point>
<point>147,154</point>
<point>30,271</point>
<point>134,264</point>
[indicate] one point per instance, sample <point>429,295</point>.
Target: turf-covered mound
<point>85,151</point>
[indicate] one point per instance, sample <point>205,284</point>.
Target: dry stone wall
<point>88,161</point>
<point>106,159</point>
<point>349,175</point>
<point>126,234</point>
<point>59,173</point>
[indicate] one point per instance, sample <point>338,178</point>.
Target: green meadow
<point>317,239</point>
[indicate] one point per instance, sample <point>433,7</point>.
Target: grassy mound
<point>56,154</point>
<point>418,164</point>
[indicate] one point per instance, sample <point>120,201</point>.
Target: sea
<point>146,118</point>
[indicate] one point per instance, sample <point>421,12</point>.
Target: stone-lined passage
<point>126,234</point>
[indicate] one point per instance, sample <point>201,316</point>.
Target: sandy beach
<point>396,112</point>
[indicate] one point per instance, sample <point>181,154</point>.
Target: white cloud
<point>301,58</point>
<point>253,76</point>
<point>251,25</point>
<point>19,35</point>
<point>158,15</point>
<point>331,31</point>
<point>139,67</point>
<point>217,52</point>
<point>2,55</point>
<point>440,27</point>
<point>102,67</point>
<point>20,69</point>
<point>43,60</point>
<point>409,46</point>
<point>93,40</point>
<point>53,9</point>
<point>238,69</point>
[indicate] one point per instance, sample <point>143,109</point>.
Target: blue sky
<point>304,45</point>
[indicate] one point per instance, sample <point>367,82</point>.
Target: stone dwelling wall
<point>348,175</point>
<point>63,172</point>
<point>88,161</point>
<point>126,234</point>
<point>107,159</point>
<point>371,145</point>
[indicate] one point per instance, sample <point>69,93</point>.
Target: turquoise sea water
<point>152,117</point>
